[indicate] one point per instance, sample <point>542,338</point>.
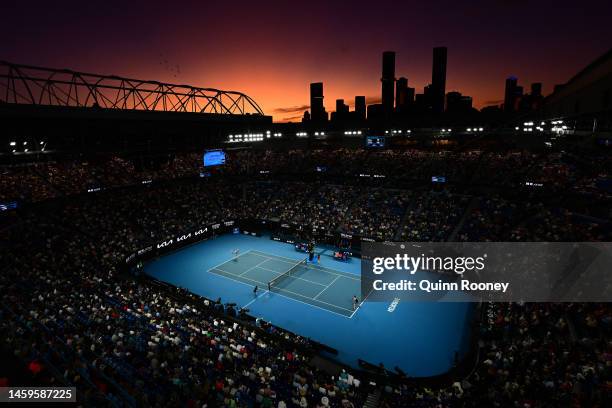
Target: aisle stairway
<point>373,399</point>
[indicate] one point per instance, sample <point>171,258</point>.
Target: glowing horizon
<point>273,53</point>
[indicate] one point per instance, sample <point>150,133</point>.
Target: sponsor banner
<point>487,271</point>
<point>199,234</point>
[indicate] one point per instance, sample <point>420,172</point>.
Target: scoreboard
<point>214,158</point>
<point>375,141</point>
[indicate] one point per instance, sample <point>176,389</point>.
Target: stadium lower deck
<point>315,301</point>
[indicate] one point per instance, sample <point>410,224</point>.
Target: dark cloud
<point>292,118</point>
<point>292,109</point>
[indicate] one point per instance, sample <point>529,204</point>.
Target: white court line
<point>236,257</point>
<point>314,266</point>
<point>286,290</point>
<point>295,277</point>
<point>327,287</point>
<point>256,297</point>
<point>362,302</point>
<point>286,297</point>
<point>252,267</point>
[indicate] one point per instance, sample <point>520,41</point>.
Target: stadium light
<point>25,143</point>
<point>13,143</point>
<point>25,150</point>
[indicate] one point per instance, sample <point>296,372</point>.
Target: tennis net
<point>289,273</point>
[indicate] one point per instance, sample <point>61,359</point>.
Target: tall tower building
<point>438,79</point>
<point>317,110</point>
<point>388,80</point>
<point>409,96</point>
<point>341,108</point>
<point>510,94</point>
<point>360,107</point>
<point>401,93</point>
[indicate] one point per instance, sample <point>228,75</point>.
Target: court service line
<point>314,266</point>
<point>289,291</point>
<point>253,267</point>
<point>286,297</point>
<point>327,287</point>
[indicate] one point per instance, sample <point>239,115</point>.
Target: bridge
<point>31,85</point>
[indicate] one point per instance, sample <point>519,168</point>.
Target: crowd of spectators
<point>125,341</point>
<point>394,168</point>
<point>73,319</point>
<point>535,355</point>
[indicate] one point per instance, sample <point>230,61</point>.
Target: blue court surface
<point>315,301</point>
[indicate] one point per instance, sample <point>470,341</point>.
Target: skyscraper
<point>388,80</point>
<point>317,110</point>
<point>510,94</point>
<point>401,93</point>
<point>342,110</point>
<point>438,79</point>
<point>536,89</point>
<point>360,107</point>
<point>409,96</point>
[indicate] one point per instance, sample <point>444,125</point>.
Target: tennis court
<point>312,284</point>
<point>420,338</point>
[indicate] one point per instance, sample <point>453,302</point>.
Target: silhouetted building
<point>428,93</point>
<point>438,79</point>
<point>511,94</point>
<point>536,89</point>
<point>458,103</point>
<point>375,112</point>
<point>588,94</point>
<point>360,107</point>
<point>518,97</point>
<point>421,104</point>
<point>342,111</point>
<point>388,80</point>
<point>401,94</point>
<point>317,110</point>
<point>533,100</point>
<point>409,96</point>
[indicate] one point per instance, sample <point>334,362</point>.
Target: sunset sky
<point>273,50</point>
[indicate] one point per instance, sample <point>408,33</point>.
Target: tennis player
<point>355,302</point>
<point>235,253</point>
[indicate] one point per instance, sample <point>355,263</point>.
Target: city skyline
<point>284,49</point>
